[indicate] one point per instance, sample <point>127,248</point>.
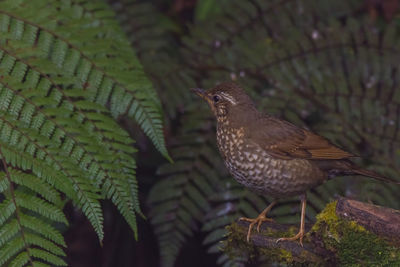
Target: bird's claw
<point>259,220</point>
<point>299,236</point>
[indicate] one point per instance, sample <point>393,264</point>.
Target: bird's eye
<point>216,98</point>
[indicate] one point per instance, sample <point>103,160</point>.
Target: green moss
<point>352,243</point>
<point>236,246</point>
<point>274,233</point>
<point>366,249</point>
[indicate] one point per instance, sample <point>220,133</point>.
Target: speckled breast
<point>252,167</point>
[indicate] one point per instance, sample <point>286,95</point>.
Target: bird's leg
<point>299,236</point>
<point>260,218</point>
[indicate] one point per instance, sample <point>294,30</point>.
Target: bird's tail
<point>374,175</point>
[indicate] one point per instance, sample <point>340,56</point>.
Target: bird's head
<point>225,99</point>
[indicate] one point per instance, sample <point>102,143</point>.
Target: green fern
<point>21,234</point>
<point>63,83</point>
<point>150,33</point>
<point>180,200</point>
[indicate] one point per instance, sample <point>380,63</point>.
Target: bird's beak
<point>200,92</point>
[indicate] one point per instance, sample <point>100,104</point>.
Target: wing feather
<point>285,140</point>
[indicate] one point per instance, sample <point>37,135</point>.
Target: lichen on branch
<point>331,240</point>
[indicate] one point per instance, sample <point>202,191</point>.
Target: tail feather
<point>346,167</point>
<point>374,175</point>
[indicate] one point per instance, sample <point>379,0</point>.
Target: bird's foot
<point>259,220</point>
<point>299,237</point>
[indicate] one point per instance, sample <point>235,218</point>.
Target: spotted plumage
<point>271,156</point>
<point>254,168</point>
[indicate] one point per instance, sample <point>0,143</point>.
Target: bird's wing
<point>284,140</point>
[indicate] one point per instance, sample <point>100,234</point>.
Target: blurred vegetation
<point>330,66</point>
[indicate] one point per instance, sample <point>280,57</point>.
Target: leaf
<point>67,73</point>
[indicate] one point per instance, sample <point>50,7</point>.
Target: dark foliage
<point>331,67</point>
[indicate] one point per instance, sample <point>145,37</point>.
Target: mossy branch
<point>346,232</point>
<point>382,221</point>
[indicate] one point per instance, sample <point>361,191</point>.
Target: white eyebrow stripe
<point>229,98</point>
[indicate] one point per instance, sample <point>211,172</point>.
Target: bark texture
<point>382,221</point>
<point>346,232</point>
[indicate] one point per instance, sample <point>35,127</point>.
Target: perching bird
<point>271,156</point>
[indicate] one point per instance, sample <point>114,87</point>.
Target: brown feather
<point>347,167</point>
<point>374,175</point>
<point>285,140</point>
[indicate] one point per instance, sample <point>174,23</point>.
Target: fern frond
<point>151,33</point>
<point>44,255</point>
<point>11,249</point>
<point>59,82</point>
<point>8,231</point>
<point>40,206</point>
<point>21,260</point>
<point>40,264</point>
<point>85,195</point>
<point>7,208</point>
<point>63,83</point>
<point>230,203</point>
<point>180,200</point>
<point>47,231</point>
<point>108,76</point>
<point>15,238</point>
<point>36,185</point>
<point>103,129</point>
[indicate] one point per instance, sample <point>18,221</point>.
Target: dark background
<point>166,36</point>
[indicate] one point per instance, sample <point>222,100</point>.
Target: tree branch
<point>382,221</point>
<point>328,239</point>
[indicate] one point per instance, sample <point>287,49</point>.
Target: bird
<point>271,156</point>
